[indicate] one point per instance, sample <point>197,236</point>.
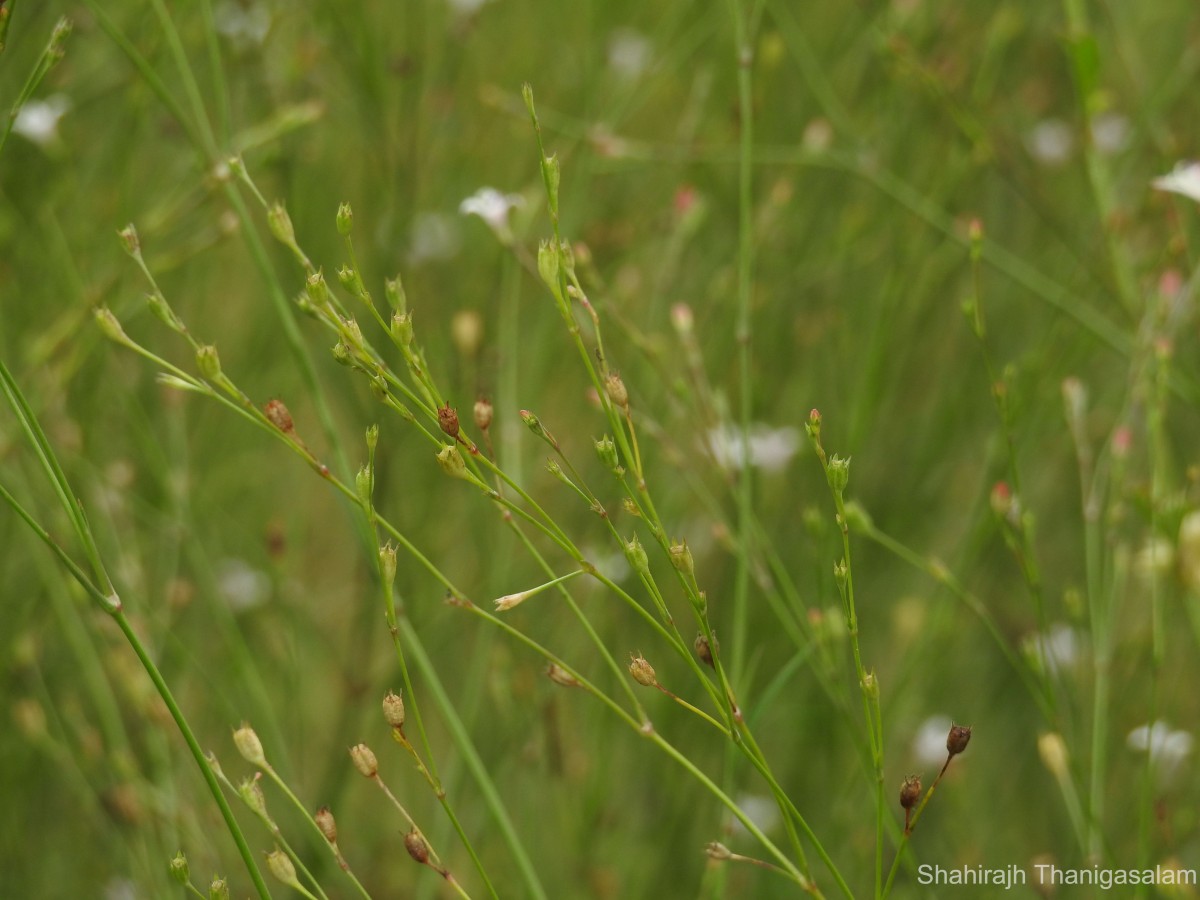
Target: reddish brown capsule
<point>277,414</point>
<point>416,847</point>
<point>448,420</point>
<point>957,739</point>
<point>910,791</point>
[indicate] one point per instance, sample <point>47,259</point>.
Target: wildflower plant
<point>622,598</point>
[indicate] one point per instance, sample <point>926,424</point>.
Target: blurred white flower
<point>1183,179</point>
<point>1110,133</point>
<point>434,237</point>
<point>244,25</point>
<point>1056,649</point>
<point>929,743</point>
<point>629,53</point>
<point>465,7</point>
<point>1167,748</point>
<point>770,448</point>
<point>1050,142</point>
<point>243,586</point>
<point>37,120</point>
<point>762,811</point>
<point>493,207</point>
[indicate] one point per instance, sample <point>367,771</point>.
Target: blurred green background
<point>881,131</point>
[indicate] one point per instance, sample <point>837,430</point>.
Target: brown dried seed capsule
<point>416,847</point>
<point>277,414</point>
<point>448,420</point>
<point>910,791</point>
<point>703,650</point>
<point>958,738</point>
<point>393,709</point>
<point>325,821</point>
<point>364,760</point>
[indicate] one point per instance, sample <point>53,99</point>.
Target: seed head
<point>559,675</point>
<point>448,420</point>
<point>218,890</point>
<point>281,867</point>
<point>957,739</point>
<point>364,760</point>
<point>277,414</point>
<point>416,847</point>
<point>393,710</point>
<point>483,414</point>
<point>615,388</point>
<point>910,791</point>
<point>325,821</point>
<point>704,650</point>
<point>642,671</point>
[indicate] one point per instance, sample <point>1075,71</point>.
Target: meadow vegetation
<point>596,450</point>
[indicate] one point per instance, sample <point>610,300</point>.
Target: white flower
<point>493,207</point>
<point>762,811</point>
<point>1050,142</point>
<point>770,448</point>
<point>243,586</point>
<point>1167,748</point>
<point>1110,133</point>
<point>1057,649</point>
<point>434,237</point>
<point>245,26</point>
<point>37,120</point>
<point>929,743</point>
<point>465,7</point>
<point>1183,179</point>
<point>629,53</point>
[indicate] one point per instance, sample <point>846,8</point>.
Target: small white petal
<point>1050,142</point>
<point>38,120</point>
<point>1184,180</point>
<point>929,743</point>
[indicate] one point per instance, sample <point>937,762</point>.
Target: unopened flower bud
<point>681,558</point>
<point>282,868</point>
<point>636,554</point>
<point>606,450</point>
<point>130,240</point>
<point>208,362</point>
<point>252,795</point>
<point>218,890</point>
<point>387,564</point>
<point>362,486</point>
<point>451,462</point>
<point>327,824</point>
<point>280,224</point>
<point>372,438</point>
<point>402,328</point>
<point>249,746</point>
<point>393,289</point>
<point>110,325</point>
<point>347,278</point>
<point>179,868</point>
<point>393,709</point>
<point>345,219</point>
<point>547,264</point>
<point>642,671</point>
<point>838,473</point>
<point>957,739</point>
<point>364,760</point>
<point>317,289</point>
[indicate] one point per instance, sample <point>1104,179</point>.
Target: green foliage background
<point>880,132</point>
